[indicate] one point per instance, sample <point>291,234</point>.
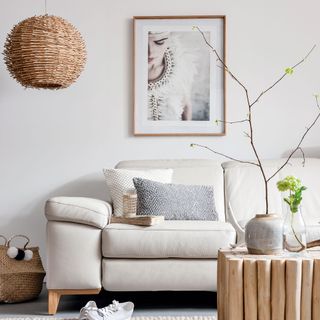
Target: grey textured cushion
<point>175,201</point>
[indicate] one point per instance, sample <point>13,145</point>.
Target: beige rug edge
<point>133,318</point>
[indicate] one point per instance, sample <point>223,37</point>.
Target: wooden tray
<point>139,220</point>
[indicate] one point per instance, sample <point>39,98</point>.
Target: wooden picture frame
<point>179,88</point>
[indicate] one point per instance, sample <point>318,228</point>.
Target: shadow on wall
<point>310,152</point>
<point>129,77</point>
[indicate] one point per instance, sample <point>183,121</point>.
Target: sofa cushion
<point>159,275</point>
<point>313,230</point>
<point>170,239</point>
<point>188,171</point>
<point>244,188</point>
<point>175,201</point>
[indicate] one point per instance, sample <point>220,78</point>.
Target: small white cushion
<point>119,182</point>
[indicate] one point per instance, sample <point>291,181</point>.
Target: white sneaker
<point>114,311</point>
<point>90,306</point>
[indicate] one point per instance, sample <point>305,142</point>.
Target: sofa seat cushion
<point>170,239</point>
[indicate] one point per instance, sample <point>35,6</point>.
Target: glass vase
<point>294,231</point>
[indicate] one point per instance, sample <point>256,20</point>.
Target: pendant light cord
<point>45,7</point>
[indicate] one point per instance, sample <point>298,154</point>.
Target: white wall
<point>56,142</point>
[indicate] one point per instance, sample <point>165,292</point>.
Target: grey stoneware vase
<point>263,234</point>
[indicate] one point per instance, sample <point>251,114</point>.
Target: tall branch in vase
<point>250,134</point>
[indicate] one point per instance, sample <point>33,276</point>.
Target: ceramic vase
<point>264,234</point>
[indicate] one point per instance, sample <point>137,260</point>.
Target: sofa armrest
<point>239,230</point>
<point>88,211</point>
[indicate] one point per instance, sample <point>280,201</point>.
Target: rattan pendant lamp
<point>45,52</point>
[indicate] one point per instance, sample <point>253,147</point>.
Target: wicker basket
<point>20,280</point>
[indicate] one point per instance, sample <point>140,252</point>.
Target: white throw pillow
<point>119,182</point>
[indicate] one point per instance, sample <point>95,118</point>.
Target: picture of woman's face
<point>157,45</point>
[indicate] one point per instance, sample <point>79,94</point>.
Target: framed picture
<point>179,86</point>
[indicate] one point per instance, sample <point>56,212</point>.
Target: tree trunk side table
<point>260,287</point>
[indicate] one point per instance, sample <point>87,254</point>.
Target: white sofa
<point>85,252</point>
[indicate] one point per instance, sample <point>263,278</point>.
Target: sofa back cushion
<point>244,188</point>
<point>189,172</point>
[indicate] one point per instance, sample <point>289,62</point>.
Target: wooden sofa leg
<point>53,301</point>
<point>54,296</point>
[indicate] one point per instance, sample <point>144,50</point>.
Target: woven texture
<point>175,201</point>
<point>45,52</point>
<point>119,182</point>
<point>20,280</point>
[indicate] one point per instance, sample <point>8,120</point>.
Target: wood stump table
<point>268,287</point>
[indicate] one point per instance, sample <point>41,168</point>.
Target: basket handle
<point>5,239</point>
<point>17,236</point>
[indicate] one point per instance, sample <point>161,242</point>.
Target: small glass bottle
<point>294,231</point>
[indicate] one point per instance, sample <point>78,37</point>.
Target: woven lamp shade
<point>45,52</point>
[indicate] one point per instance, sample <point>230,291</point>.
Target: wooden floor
<point>146,304</point>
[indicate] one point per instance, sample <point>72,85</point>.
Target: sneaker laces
<point>90,306</point>
<point>106,312</point>
<point>85,311</point>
